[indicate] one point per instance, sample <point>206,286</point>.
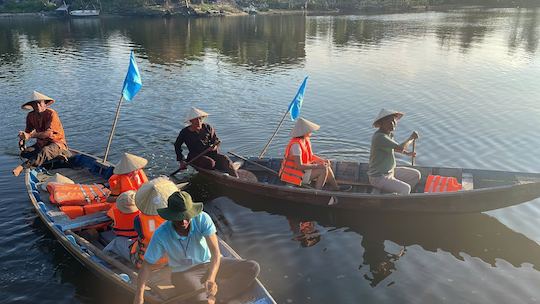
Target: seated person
<point>300,166</point>
<point>43,124</point>
<point>189,240</point>
<point>150,197</point>
<point>123,213</point>
<point>198,136</point>
<point>383,173</point>
<point>128,174</point>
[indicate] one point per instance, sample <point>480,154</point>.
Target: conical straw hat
<point>154,194</point>
<point>194,113</point>
<point>125,202</point>
<point>129,163</point>
<point>57,178</point>
<point>37,96</point>
<point>383,113</point>
<point>303,127</point>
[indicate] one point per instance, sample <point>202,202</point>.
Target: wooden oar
<point>413,150</point>
<point>254,163</point>
<point>132,274</point>
<point>197,157</point>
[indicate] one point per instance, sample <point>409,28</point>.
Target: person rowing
<point>300,166</point>
<point>383,173</point>
<point>199,137</point>
<point>43,124</point>
<point>189,240</point>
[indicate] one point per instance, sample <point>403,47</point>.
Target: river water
<point>467,80</point>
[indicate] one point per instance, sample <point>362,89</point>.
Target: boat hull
<point>469,201</point>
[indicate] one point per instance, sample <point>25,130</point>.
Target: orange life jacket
<point>77,194</point>
<point>149,224</point>
<point>123,222</point>
<point>120,183</point>
<point>289,172</point>
<point>437,183</point>
<point>76,211</point>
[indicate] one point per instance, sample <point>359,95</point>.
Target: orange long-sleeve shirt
<point>49,122</point>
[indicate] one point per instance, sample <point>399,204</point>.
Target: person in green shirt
<point>383,173</point>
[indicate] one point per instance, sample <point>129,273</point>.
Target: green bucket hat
<point>180,207</point>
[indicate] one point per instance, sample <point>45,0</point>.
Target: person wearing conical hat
<point>188,239</point>
<point>150,197</point>
<point>43,124</point>
<point>128,174</point>
<point>383,173</point>
<point>123,214</point>
<point>300,166</point>
<point>200,137</point>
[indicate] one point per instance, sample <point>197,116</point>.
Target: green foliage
<point>27,6</point>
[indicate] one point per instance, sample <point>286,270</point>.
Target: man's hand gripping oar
<point>210,148</point>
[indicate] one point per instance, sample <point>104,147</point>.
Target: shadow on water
<point>476,235</point>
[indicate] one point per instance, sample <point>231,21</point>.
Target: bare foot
<point>17,171</point>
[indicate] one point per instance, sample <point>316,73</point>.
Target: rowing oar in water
<point>197,157</point>
<point>127,270</point>
<point>413,150</point>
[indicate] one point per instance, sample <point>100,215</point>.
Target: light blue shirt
<point>183,252</point>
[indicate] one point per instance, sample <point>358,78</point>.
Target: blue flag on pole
<point>133,82</point>
<point>296,103</point>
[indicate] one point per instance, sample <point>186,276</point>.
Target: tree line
<point>342,5</point>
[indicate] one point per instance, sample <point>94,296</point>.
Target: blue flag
<point>296,103</point>
<point>133,82</point>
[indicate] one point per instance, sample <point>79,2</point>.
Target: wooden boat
<point>84,13</point>
<point>86,247</point>
<point>483,190</point>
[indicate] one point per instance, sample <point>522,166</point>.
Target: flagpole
<point>273,135</point>
<point>113,127</point>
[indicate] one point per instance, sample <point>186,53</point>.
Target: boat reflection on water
<point>304,232</point>
<point>385,238</point>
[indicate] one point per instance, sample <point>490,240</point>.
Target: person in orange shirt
<point>43,124</point>
<point>123,214</point>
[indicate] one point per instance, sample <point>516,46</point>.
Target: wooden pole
<point>196,157</point>
<point>413,150</point>
<point>273,135</point>
<point>255,163</point>
<point>112,129</point>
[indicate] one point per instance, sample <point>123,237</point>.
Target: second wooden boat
<point>483,190</point>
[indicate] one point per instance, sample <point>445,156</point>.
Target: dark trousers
<point>216,161</point>
<point>36,156</point>
<point>234,277</point>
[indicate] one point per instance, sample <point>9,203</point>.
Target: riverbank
<point>225,9</point>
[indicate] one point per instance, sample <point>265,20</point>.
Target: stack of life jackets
<point>437,183</point>
<point>77,199</point>
<point>120,183</point>
<point>289,172</point>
